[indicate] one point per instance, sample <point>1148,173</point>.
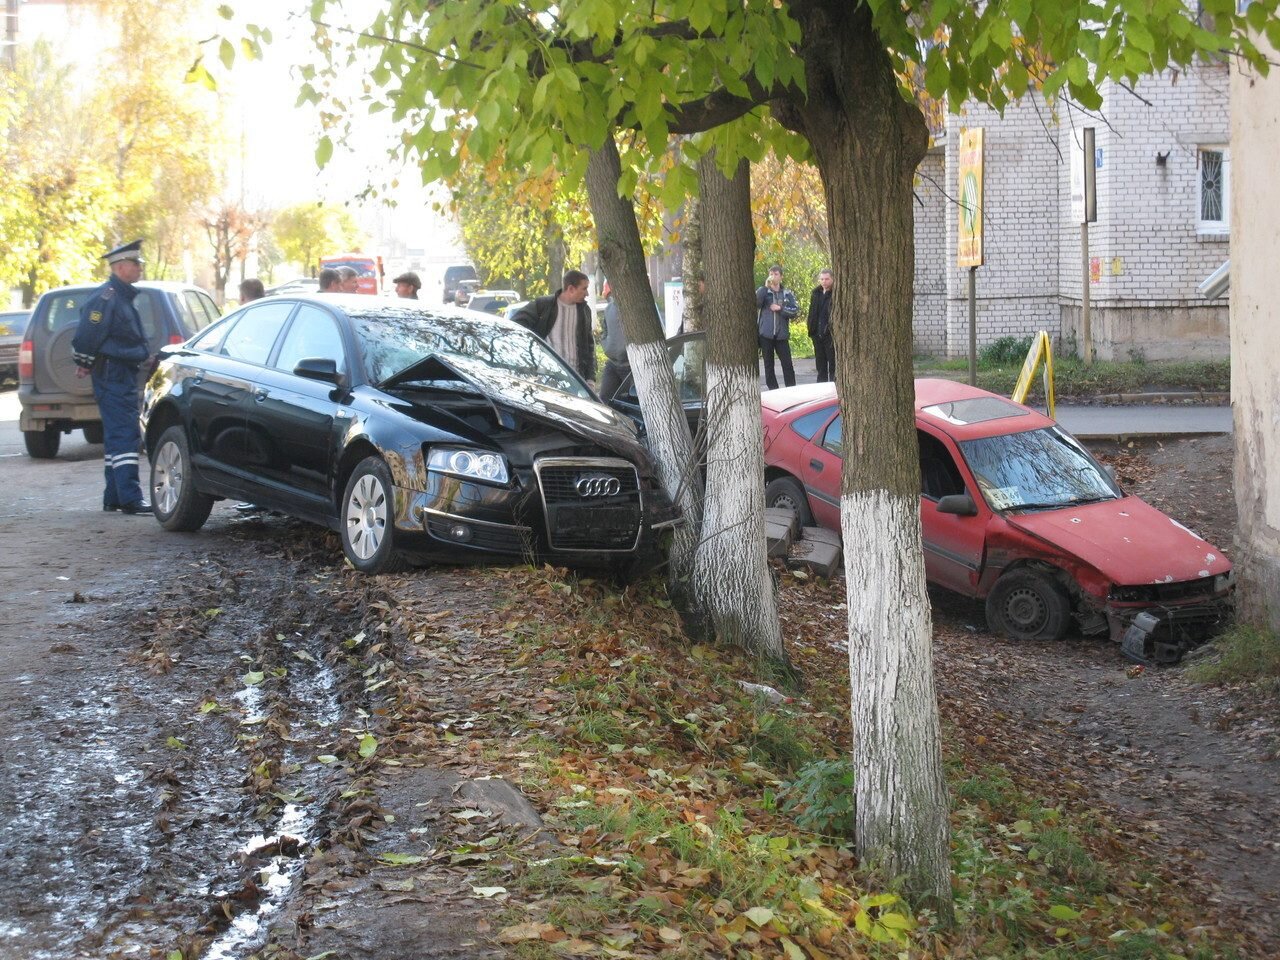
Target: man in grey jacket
<point>614,342</point>
<point>777,306</point>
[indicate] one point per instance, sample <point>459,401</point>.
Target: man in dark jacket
<point>824,349</point>
<point>776,306</point>
<point>111,346</point>
<point>563,319</point>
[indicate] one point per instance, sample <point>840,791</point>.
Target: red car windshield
<point>1038,469</point>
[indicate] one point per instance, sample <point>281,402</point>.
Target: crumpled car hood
<point>512,397</point>
<point>1127,540</point>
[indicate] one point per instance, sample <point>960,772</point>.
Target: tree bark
<point>622,256</point>
<point>732,582</point>
<point>694,271</point>
<point>867,142</point>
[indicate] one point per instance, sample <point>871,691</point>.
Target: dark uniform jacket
<point>110,327</point>
<point>539,316</point>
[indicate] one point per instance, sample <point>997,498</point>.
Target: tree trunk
<point>867,141</point>
<point>732,582</point>
<point>694,271</point>
<point>555,257</point>
<point>622,256</point>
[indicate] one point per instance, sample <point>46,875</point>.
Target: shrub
<point>1005,351</point>
<point>821,797</point>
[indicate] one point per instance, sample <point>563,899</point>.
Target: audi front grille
<point>591,504</point>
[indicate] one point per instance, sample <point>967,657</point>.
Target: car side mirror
<point>961,504</point>
<point>318,368</point>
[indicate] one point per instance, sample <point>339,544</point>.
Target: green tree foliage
<point>519,229</point>
<point>57,200</point>
<point>162,137</point>
<point>308,231</point>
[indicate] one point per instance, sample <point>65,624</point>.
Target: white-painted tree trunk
<point>731,581</point>
<point>897,757</point>
<point>668,437</point>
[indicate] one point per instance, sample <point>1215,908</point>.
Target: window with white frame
<point>1213,193</point>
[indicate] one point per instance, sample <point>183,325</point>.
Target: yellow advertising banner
<point>969,226</point>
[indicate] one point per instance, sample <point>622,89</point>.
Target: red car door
<point>954,546</point>
<point>820,464</point>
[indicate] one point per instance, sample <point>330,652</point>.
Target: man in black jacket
<point>824,349</point>
<point>563,319</point>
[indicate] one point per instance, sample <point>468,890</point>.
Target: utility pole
<point>11,33</point>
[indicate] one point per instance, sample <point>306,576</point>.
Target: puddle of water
<point>275,879</point>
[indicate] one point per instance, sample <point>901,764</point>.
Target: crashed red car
<point>1015,511</point>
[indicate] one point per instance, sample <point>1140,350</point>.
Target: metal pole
<point>11,33</point>
<point>973,327</point>
<point>1086,330</point>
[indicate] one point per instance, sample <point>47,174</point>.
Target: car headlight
<point>472,464</point>
<point>1224,581</point>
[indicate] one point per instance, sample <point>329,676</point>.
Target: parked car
<point>492,301</point>
<point>299,285</point>
<point>1016,512</point>
<point>455,275</point>
<point>415,432</point>
<point>54,400</point>
<point>12,325</point>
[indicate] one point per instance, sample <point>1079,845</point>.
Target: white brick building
<point>1163,223</point>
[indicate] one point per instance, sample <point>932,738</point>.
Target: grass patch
<point>1244,653</point>
<point>699,820</point>
<point>999,374</point>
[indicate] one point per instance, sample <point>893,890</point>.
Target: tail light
<point>26,361</point>
<point>176,338</point>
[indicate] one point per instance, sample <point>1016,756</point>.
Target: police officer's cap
<point>126,251</point>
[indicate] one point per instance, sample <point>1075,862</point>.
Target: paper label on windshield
<point>1002,498</point>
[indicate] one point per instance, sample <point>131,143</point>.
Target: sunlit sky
<point>278,138</point>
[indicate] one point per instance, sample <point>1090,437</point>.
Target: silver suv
<point>54,400</point>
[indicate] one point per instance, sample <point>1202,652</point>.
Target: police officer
<point>111,346</point>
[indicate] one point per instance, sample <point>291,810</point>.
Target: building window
<point>1214,194</point>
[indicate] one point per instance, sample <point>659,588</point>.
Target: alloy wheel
<point>366,516</point>
<point>167,478</point>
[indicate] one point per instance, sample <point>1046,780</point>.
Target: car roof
<point>955,408</point>
<point>362,303</point>
<point>171,286</point>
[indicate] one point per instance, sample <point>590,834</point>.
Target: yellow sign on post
<point>969,251</point>
<point>1041,352</point>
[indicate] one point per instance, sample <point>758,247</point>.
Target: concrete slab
<point>816,556</point>
<point>821,535</point>
<point>778,536</point>
<point>783,515</point>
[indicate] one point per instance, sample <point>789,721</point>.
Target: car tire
<point>787,492</point>
<point>93,433</point>
<point>174,498</point>
<point>367,518</point>
<point>42,444</point>
<point>1026,605</point>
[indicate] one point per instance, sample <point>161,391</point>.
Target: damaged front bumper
<point>1162,635</point>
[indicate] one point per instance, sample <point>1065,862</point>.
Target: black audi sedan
<point>416,432</point>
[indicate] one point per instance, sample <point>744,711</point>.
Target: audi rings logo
<point>597,485</point>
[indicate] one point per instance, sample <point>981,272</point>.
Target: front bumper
<point>1162,634</point>
<point>457,518</point>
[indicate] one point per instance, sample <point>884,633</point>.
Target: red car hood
<point>1128,541</point>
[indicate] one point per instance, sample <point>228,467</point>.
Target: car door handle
<point>815,465</point>
<point>259,396</point>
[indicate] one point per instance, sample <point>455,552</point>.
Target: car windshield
<point>393,340</point>
<point>1038,469</point>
